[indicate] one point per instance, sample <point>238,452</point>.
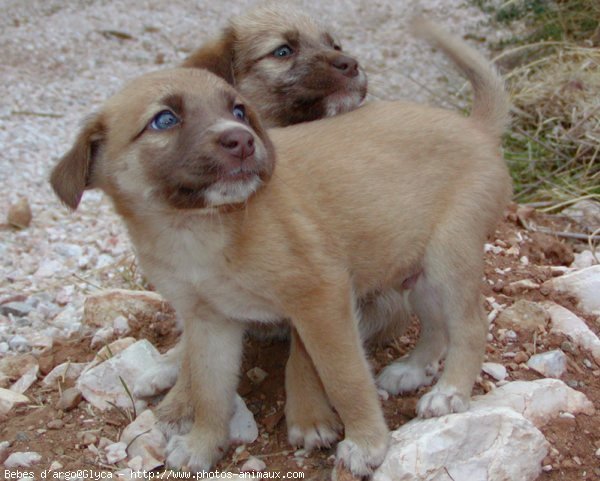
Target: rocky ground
<point>58,310</point>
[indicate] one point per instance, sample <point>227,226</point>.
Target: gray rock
<point>146,441</point>
<point>19,309</point>
<point>567,323</point>
<point>67,371</point>
<point>495,370</point>
<point>491,444</point>
<point>101,309</point>
<point>22,460</point>
<point>18,343</point>
<point>586,212</point>
<point>69,399</point>
<point>539,401</point>
<point>525,315</point>
<point>9,399</point>
<point>104,383</point>
<point>584,285</point>
<point>549,364</point>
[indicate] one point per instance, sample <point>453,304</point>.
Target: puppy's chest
<point>197,268</point>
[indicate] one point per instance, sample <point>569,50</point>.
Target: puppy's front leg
<point>206,388</point>
<point>329,330</point>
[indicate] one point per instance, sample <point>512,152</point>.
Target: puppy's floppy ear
<point>73,173</point>
<point>216,56</point>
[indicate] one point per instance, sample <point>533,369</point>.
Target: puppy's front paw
<point>317,436</point>
<point>360,460</point>
<point>405,376</point>
<point>441,401</point>
<point>174,417</point>
<point>157,380</point>
<point>313,425</point>
<point>194,452</point>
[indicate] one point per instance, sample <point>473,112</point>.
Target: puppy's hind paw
<point>440,401</point>
<point>404,376</point>
<point>361,461</point>
<point>156,381</point>
<point>192,453</point>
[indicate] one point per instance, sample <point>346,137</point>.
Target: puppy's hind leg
<point>452,282</point>
<point>420,367</point>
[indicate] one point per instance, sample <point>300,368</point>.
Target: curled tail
<point>491,104</point>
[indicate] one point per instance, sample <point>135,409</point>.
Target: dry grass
<point>553,72</point>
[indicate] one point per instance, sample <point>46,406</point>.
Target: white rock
<point>492,444</point>
<point>102,336</point>
<point>112,350</point>
<point>525,314</point>
<point>48,268</point>
<point>584,259</point>
<point>22,460</point>
<point>549,364</point>
<point>101,309</point>
<point>256,375</point>
<point>67,320</point>
<point>539,401</point>
<point>4,447</point>
<point>102,383</point>
<point>121,326</point>
<point>569,324</point>
<point>136,464</point>
<point>9,398</point>
<point>242,427</point>
<point>146,441</point>
<point>115,452</point>
<point>65,371</point>
<point>26,380</point>
<point>18,343</point>
<point>586,212</point>
<point>495,370</point>
<point>253,464</point>
<point>55,466</point>
<point>584,285</point>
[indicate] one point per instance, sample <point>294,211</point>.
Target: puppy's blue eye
<point>164,120</point>
<point>239,112</point>
<point>283,51</point>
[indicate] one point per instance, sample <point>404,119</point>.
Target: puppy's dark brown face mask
<point>180,139</point>
<point>286,64</point>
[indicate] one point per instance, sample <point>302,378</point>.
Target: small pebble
<point>19,214</point>
<point>69,399</point>
<point>55,424</point>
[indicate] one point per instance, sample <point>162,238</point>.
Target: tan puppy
<point>389,197</point>
<point>287,65</point>
<point>291,69</point>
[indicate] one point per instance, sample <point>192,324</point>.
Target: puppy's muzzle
<point>346,65</point>
<point>238,143</point>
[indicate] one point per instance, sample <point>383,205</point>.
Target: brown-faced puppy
<point>390,197</point>
<point>286,64</point>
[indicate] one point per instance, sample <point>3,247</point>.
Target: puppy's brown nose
<point>347,65</point>
<point>237,142</point>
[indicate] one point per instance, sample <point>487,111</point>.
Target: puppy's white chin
<point>339,104</point>
<point>227,192</point>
